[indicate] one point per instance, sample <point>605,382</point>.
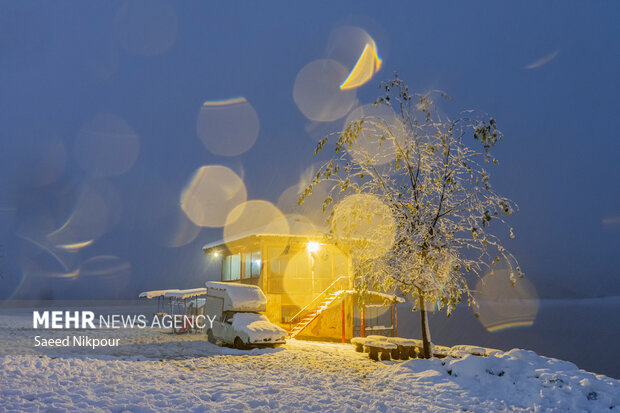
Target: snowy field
<point>301,376</point>
<point>153,371</point>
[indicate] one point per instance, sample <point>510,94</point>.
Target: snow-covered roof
<point>390,297</point>
<point>154,293</point>
<point>183,294</point>
<point>221,242</point>
<point>242,297</point>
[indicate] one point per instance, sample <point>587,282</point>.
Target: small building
<point>308,282</point>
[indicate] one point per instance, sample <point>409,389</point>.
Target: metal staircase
<point>320,303</point>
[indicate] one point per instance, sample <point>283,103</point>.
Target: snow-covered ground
<point>152,371</point>
<point>583,331</point>
<point>302,376</point>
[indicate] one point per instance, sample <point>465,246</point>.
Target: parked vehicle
<point>187,303</point>
<point>238,321</point>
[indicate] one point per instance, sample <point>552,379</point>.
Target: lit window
<point>252,264</point>
<point>256,264</point>
<point>231,267</point>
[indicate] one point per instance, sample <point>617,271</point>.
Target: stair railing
<point>324,292</point>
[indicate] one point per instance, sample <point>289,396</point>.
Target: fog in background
<point>114,114</point>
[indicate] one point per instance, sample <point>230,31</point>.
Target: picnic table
<point>461,351</point>
<point>398,348</point>
<point>380,348</point>
<point>389,347</point>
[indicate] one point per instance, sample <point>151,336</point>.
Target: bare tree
<point>425,191</point>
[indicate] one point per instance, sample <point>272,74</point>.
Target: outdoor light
<point>313,247</point>
<point>216,254</point>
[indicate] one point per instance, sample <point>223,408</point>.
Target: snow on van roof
<point>243,297</point>
<point>154,293</point>
<point>183,294</point>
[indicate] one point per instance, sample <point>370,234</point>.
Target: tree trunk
<point>426,332</point>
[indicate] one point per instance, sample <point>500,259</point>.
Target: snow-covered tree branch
<point>418,199</point>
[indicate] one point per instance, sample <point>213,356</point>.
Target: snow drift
<point>517,379</point>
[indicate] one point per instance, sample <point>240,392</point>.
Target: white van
<point>238,321</point>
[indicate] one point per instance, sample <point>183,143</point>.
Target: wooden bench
<point>375,337</point>
<point>398,348</point>
<point>402,348</point>
<point>461,351</point>
<point>441,351</point>
<point>406,347</point>
<point>395,352</point>
<point>359,343</point>
<point>379,347</point>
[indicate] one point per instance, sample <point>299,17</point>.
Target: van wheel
<point>210,336</point>
<point>239,344</point>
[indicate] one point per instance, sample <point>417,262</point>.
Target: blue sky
<point>153,65</point>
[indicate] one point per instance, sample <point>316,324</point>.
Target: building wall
<point>291,287</point>
<point>329,323</point>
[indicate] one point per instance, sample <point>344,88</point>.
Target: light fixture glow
<point>313,247</point>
